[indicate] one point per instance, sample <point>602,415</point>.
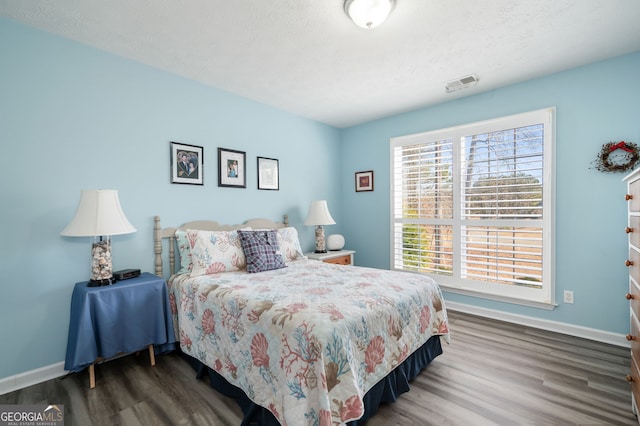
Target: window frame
<point>540,298</point>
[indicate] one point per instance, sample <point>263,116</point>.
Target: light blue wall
<point>595,104</point>
<point>72,118</point>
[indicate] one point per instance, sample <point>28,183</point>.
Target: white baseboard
<point>558,327</point>
<point>28,378</point>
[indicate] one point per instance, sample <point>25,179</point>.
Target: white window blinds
<point>472,205</point>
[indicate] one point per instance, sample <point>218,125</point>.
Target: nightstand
<point>121,318</point>
<point>340,257</point>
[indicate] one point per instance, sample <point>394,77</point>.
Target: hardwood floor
<point>492,373</point>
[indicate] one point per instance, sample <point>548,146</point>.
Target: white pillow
<point>289,244</point>
<point>217,251</point>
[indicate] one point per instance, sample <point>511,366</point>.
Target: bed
<point>295,341</point>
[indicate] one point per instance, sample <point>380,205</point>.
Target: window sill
<point>530,303</point>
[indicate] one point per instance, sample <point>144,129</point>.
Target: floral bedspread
<point>307,341</point>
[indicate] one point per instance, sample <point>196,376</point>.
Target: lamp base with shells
<point>320,247</point>
<point>101,265</point>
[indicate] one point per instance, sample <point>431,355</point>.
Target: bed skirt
<point>385,391</point>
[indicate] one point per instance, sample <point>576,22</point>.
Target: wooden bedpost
<point>157,245</point>
<point>286,220</point>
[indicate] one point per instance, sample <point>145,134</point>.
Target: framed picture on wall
<point>186,163</point>
<point>232,171</point>
<point>268,174</point>
<point>364,181</point>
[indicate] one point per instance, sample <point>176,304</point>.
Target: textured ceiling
<point>308,58</point>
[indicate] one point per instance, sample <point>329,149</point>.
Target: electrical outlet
<point>568,296</point>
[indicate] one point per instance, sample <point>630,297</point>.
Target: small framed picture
<point>186,163</point>
<point>364,181</point>
<point>268,174</point>
<point>232,169</point>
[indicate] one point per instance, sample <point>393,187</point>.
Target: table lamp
<point>100,216</point>
<point>319,215</point>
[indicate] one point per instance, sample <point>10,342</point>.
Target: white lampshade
<point>368,13</point>
<point>319,214</point>
<point>99,213</point>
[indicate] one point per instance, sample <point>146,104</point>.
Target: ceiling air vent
<point>461,83</point>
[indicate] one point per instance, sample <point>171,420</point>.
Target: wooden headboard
<point>159,234</point>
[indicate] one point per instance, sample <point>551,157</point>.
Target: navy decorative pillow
<point>262,250</point>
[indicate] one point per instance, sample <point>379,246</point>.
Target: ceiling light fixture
<point>368,13</point>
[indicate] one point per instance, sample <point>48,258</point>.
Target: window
<point>472,205</point>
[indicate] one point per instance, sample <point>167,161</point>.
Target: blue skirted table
<point>118,319</point>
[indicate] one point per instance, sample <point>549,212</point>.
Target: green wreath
<point>603,163</point>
